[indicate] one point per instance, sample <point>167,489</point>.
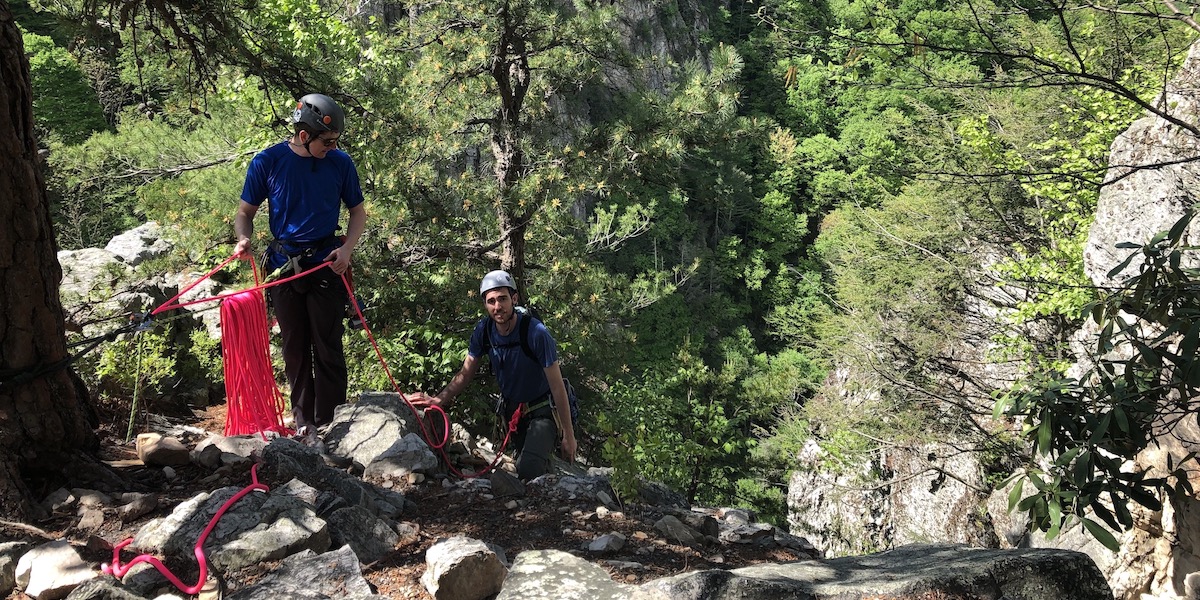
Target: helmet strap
<point>306,145</point>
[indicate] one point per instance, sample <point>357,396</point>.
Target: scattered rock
<point>335,574</point>
<point>908,572</point>
<point>505,485</point>
<point>608,543</point>
<point>51,571</point>
<point>462,569</point>
<point>677,533</point>
<point>156,450</point>
<point>555,575</point>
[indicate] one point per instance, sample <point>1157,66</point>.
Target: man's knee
<point>534,460</point>
<point>529,467</point>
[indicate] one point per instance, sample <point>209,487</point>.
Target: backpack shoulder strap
<point>487,333</point>
<point>523,328</point>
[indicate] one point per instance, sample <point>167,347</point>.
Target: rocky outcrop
<point>928,493</point>
<point>1153,180</point>
<point>106,293</point>
<point>139,244</point>
<point>1154,177</point>
<point>916,571</point>
<point>908,572</point>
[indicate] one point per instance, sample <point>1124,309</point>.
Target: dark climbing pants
<point>535,439</point>
<point>310,312</point>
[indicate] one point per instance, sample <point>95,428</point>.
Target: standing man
<point>535,381</point>
<point>306,180</point>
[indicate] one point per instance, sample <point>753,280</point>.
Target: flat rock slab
<point>952,572</point>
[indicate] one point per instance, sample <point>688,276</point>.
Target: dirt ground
<point>438,515</point>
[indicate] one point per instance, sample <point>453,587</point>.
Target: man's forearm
<point>355,227</point>
<point>454,388</point>
<point>243,226</point>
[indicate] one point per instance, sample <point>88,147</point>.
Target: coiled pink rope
<point>254,401</point>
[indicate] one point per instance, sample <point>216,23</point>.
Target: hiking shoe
<point>307,435</point>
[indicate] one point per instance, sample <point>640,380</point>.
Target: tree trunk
<point>510,70</point>
<point>42,418</point>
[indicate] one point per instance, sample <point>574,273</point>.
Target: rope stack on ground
<point>254,401</point>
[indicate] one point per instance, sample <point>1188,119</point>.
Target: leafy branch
<point>1085,431</point>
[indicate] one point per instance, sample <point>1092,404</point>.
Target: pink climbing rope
<point>254,402</point>
<point>116,569</point>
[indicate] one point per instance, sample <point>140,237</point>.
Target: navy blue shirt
<point>521,379</point>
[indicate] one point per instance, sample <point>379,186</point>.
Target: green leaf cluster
<point>1085,430</point>
<point>65,106</point>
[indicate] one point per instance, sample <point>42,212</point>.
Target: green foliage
<point>143,362</point>
<point>768,498</point>
<point>1072,158</point>
<point>899,262</point>
<point>205,353</point>
<point>696,429</point>
<point>64,105</point>
<point>414,355</point>
<point>681,431</point>
<point>1084,431</point>
<point>183,169</point>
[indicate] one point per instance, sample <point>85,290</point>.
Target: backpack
<point>526,318</point>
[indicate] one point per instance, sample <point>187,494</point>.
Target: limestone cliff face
<point>1151,179</point>
<point>1154,176</point>
<point>899,497</point>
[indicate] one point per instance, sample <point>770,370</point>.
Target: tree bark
<point>510,70</point>
<point>42,419</point>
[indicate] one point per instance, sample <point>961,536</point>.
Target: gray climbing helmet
<point>496,279</point>
<point>320,112</point>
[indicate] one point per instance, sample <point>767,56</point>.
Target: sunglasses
<point>328,142</point>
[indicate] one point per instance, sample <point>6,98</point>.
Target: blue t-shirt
<point>520,379</point>
<point>305,195</point>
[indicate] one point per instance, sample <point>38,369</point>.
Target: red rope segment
<point>425,433</point>
<point>163,307</point>
<point>116,569</point>
<point>166,305</point>
<point>254,401</point>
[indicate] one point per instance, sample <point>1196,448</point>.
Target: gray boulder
<point>370,537</point>
<point>10,552</point>
<point>909,571</point>
<point>103,588</point>
<point>555,575</point>
<point>462,569</point>
<point>139,244</point>
<point>52,570</point>
<point>310,576</point>
<point>285,459</point>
